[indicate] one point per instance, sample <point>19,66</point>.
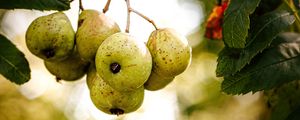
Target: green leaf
<point>227,61</point>
<point>297,3</point>
<point>35,4</point>
<point>265,29</point>
<point>274,66</point>
<point>295,115</point>
<point>237,22</point>
<point>266,6</point>
<point>207,6</point>
<point>13,64</point>
<point>283,101</point>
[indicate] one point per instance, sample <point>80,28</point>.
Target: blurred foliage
<point>14,65</point>
<point>199,93</point>
<point>2,13</point>
<point>211,94</point>
<point>14,106</point>
<point>207,6</point>
<point>283,101</point>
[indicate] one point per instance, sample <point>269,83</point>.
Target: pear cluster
<point>118,67</point>
<point>52,39</point>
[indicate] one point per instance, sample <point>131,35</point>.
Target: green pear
<point>171,55</point>
<point>123,62</point>
<point>51,37</point>
<point>157,82</point>
<point>69,69</point>
<point>93,29</point>
<point>109,100</point>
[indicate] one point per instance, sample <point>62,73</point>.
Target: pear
<point>123,62</point>
<point>171,55</point>
<point>51,37</point>
<point>69,69</point>
<point>109,100</point>
<point>93,29</point>
<point>157,82</point>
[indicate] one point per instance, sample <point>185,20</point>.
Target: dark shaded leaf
<point>262,33</point>
<point>283,101</point>
<point>297,3</point>
<point>274,66</point>
<point>227,61</point>
<point>295,115</point>
<point>35,4</point>
<point>237,22</point>
<point>266,6</point>
<point>14,65</point>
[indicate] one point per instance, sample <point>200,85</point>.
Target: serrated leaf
<point>227,61</point>
<point>237,22</point>
<point>265,29</point>
<point>274,66</point>
<point>14,65</point>
<point>35,4</point>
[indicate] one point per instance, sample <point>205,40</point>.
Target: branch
<point>292,7</point>
<point>105,9</point>
<point>145,17</point>
<point>128,15</point>
<point>80,5</point>
<point>129,10</point>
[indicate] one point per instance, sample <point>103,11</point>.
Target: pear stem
<point>128,16</point>
<point>145,17</point>
<point>129,10</point>
<point>80,5</point>
<point>105,9</point>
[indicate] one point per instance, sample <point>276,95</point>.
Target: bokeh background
<point>193,95</point>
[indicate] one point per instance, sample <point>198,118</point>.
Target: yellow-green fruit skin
<point>170,52</point>
<point>70,69</point>
<point>93,29</point>
<point>171,55</point>
<point>132,55</point>
<point>157,82</point>
<point>51,37</point>
<point>105,98</point>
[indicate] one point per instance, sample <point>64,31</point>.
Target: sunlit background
<point>193,95</point>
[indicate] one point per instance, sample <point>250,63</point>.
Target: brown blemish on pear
<point>171,55</point>
<point>109,100</point>
<point>93,29</point>
<point>69,69</point>
<point>123,62</point>
<point>51,37</point>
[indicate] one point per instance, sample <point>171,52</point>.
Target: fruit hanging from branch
<point>109,100</point>
<point>123,62</point>
<point>120,66</point>
<point>93,29</point>
<point>171,55</point>
<point>51,37</point>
